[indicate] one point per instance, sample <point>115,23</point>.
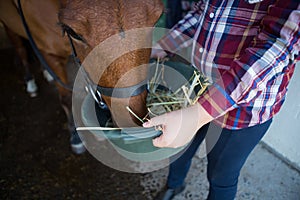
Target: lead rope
<point>89,87</point>
<point>38,53</point>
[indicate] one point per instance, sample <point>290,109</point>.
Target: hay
<point>160,101</point>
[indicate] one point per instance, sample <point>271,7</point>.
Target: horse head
<point>91,23</point>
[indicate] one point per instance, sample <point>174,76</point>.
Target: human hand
<point>179,127</point>
<point>158,52</point>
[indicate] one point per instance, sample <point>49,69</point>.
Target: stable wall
<point>283,137</point>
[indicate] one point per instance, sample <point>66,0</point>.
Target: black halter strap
<point>125,92</point>
<point>97,90</point>
<point>94,89</point>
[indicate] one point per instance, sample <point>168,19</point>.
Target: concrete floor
<point>264,176</point>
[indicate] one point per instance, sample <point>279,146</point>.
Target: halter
<point>95,90</point>
<point>124,92</point>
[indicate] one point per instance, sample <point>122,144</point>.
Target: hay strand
<point>96,128</point>
<point>160,101</point>
<point>135,115</point>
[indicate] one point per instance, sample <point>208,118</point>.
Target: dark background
<point>35,155</point>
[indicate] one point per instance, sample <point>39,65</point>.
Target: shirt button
<point>201,50</point>
<point>211,15</point>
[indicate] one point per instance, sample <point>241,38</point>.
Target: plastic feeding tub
<point>135,143</point>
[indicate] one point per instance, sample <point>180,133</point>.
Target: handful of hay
<point>161,99</point>
<point>170,89</point>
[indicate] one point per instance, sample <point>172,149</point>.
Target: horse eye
<point>67,29</point>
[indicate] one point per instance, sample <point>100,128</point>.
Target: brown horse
<point>88,22</point>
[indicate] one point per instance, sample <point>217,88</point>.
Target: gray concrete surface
<point>263,177</point>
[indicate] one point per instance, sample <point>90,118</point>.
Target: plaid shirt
<point>249,52</point>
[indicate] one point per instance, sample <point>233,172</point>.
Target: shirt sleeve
<point>182,34</point>
<point>275,48</point>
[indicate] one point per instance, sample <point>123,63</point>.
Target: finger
<point>159,120</point>
<point>162,54</point>
<point>159,141</point>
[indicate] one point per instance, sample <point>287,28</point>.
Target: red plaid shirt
<point>248,51</point>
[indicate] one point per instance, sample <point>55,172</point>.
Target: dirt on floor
<point>35,156</point>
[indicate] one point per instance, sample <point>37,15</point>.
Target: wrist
<point>203,116</point>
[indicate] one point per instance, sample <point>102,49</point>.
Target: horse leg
<point>47,76</point>
<point>58,65</point>
<point>21,51</point>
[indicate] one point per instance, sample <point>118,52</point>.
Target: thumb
<point>155,121</point>
<point>159,141</point>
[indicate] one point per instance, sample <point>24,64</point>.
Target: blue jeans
<point>228,153</point>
